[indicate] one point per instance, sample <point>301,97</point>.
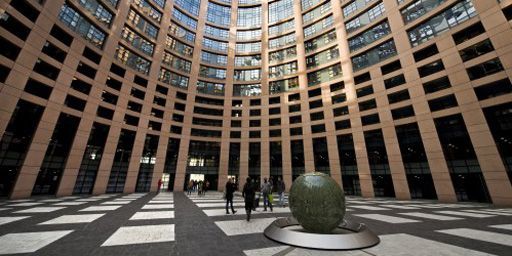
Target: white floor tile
<point>4,209</point>
<point>430,216</point>
<point>20,200</point>
<point>69,203</point>
<point>30,241</point>
<point>116,202</point>
<point>271,251</point>
<point>206,205</point>
<point>5,220</point>
<point>124,199</point>
<point>153,215</point>
<point>486,236</point>
<point>242,227</point>
<point>25,204</point>
<point>367,207</point>
<point>71,219</point>
<point>466,214</point>
<point>402,207</point>
<point>489,212</point>
<point>141,235</point>
<point>241,211</point>
<point>100,208</point>
<point>503,226</point>
<point>158,206</point>
<point>161,202</point>
<point>40,209</point>
<point>386,218</point>
<point>404,244</point>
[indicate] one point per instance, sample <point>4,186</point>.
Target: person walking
<point>280,191</point>
<point>248,195</point>
<point>230,189</point>
<point>266,190</point>
<point>159,185</point>
<point>190,187</point>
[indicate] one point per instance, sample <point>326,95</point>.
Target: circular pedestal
<point>347,236</point>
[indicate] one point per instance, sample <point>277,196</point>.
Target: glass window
<point>210,88</point>
<point>283,69</point>
<point>365,18</point>
<point>247,75</point>
<point>249,17</point>
<point>209,72</point>
<point>148,10</point>
<point>142,24</point>
<point>137,41</point>
<point>324,75</point>
<point>320,41</point>
<point>79,24</point>
<point>369,36</point>
<point>419,8</point>
<point>97,10</point>
<point>317,12</point>
<point>215,59</point>
<point>248,34</point>
<point>192,6</point>
<point>283,85</point>
<point>280,10</point>
<point>173,79</point>
<point>179,47</point>
<point>282,55</point>
<point>218,14</point>
<point>318,26</point>
<point>307,4</point>
<point>442,22</point>
<point>216,32</point>
<point>215,45</point>
<point>281,28</point>
<point>176,62</point>
<point>354,6</point>
<point>246,89</point>
<point>184,19</point>
<point>248,47</point>
<point>251,60</point>
<point>179,32</point>
<point>374,55</point>
<point>281,41</point>
<point>132,60</point>
<point>322,57</point>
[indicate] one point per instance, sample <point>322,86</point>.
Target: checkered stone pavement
<point>177,224</point>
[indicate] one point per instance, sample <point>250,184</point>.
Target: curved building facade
<point>392,98</point>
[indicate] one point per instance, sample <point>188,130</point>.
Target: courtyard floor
<point>177,224</point>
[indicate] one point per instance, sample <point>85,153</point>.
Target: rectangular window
<point>399,113</point>
<point>484,69</point>
<point>369,36</point>
<point>442,103</point>
<point>493,89</point>
<point>437,85</point>
<point>442,22</point>
<point>374,55</point>
<point>431,68</point>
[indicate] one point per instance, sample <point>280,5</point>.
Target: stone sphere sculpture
<point>317,202</point>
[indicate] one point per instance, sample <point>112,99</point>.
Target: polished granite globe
<point>317,202</point>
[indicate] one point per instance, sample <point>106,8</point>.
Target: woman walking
<point>248,194</point>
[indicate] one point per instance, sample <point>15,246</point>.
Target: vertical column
<point>228,93</point>
<point>265,93</point>
<point>107,159</point>
<point>363,166</point>
<point>309,160</point>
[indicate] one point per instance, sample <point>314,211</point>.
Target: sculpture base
<point>348,236</point>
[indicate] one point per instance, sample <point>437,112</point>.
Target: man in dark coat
<point>248,194</point>
<point>230,189</point>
